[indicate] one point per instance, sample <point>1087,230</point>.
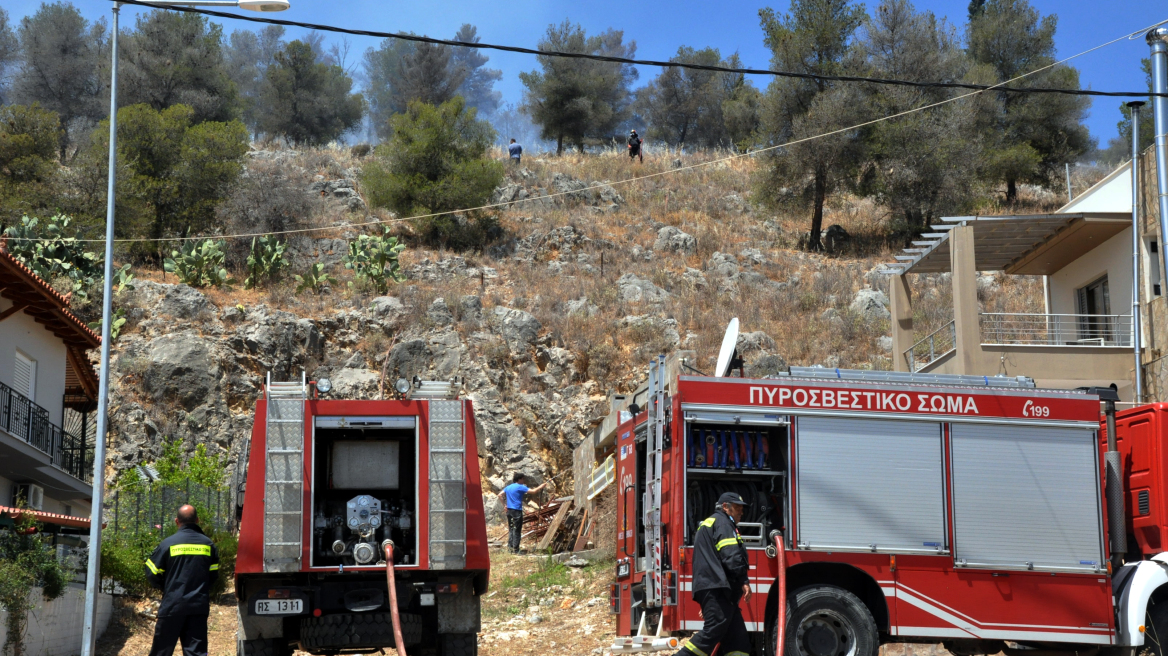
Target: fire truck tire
<point>824,620</point>
<point>458,644</point>
<point>1157,623</point>
<point>357,630</point>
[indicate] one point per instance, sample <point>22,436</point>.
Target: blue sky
<point>659,27</point>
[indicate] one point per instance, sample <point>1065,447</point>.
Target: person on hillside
<point>514,494</point>
<point>720,581</point>
<point>635,146</point>
<point>184,566</point>
<point>516,152</point>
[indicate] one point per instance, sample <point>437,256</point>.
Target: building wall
<point>54,628</point>
<point>1111,258</point>
<point>21,331</point>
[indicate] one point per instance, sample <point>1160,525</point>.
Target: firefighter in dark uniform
<point>184,566</point>
<point>719,582</point>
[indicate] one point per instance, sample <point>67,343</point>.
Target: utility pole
<point>93,571</point>
<point>1135,106</point>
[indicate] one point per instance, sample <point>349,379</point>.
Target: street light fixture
<point>92,584</point>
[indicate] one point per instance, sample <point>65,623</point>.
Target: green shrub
<point>199,263</point>
<point>27,559</point>
<point>314,279</point>
<point>123,555</point>
<point>265,261</point>
<point>374,258</point>
<point>436,163</point>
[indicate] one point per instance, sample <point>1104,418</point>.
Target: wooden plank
<point>576,546</point>
<point>551,532</point>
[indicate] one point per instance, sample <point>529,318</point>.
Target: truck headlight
<point>324,385</point>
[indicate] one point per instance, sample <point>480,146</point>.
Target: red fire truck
<point>906,508</point>
<point>331,484</point>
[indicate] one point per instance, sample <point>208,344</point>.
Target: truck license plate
<point>279,606</point>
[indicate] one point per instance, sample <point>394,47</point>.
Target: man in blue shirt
<point>516,152</point>
<point>514,494</point>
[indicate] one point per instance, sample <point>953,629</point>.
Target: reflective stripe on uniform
<point>215,567</point>
<point>153,568</point>
<point>706,523</point>
<point>190,550</point>
<point>726,543</point>
<point>737,653</point>
<point>690,646</point>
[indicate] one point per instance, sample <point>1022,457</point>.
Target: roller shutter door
<point>1026,497</point>
<point>865,482</point>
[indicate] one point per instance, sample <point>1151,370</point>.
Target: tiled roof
<point>46,517</point>
<point>23,287</point>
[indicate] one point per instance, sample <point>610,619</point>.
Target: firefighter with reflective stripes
<point>185,567</point>
<point>720,570</point>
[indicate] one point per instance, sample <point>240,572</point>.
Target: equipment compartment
<point>747,459</point>
<point>364,493</point>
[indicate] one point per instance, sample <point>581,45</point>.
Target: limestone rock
<point>871,304</point>
<point>673,239</point>
<point>518,328</point>
<point>179,301</point>
<point>638,290</point>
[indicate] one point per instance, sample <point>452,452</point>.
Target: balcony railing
<point>932,347</point>
<point>1056,329</point>
<point>30,422</point>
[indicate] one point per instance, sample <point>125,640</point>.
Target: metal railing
<point>928,350</point>
<point>28,421</point>
<point>1056,329</point>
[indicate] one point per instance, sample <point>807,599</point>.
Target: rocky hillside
<point>540,327</point>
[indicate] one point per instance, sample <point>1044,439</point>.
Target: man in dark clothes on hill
<point>516,152</point>
<point>185,567</point>
<point>635,146</point>
<point>720,571</point>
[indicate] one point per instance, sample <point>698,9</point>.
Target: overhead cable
<point>650,62</point>
<point>712,162</point>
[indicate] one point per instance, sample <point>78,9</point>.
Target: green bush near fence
<point>140,514</point>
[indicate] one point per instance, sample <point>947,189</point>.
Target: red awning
<point>46,517</point>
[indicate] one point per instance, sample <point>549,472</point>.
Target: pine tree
<point>814,39</point>
<point>62,54</point>
<point>307,101</point>
<point>573,100</point>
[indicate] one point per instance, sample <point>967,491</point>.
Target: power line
<point>618,182</point>
<point>650,62</point>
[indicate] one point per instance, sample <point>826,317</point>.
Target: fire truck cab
<point>330,485</point>
<point>966,510</point>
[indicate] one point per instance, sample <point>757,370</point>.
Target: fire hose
<point>397,632</point>
<point>781,618</point>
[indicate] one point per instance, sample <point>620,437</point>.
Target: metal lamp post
<point>92,582</point>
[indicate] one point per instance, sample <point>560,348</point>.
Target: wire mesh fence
<point>153,508</point>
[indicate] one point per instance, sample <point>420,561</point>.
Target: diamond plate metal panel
<point>446,435</point>
<point>446,467</point>
<point>445,411</point>
<point>283,476</point>
<point>447,485</point>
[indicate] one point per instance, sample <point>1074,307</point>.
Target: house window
<point>24,376</point>
<point>1094,304</point>
<point>1154,266</point>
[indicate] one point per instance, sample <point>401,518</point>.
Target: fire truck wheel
<point>458,644</point>
<point>824,620</point>
<point>357,630</point>
<point>1157,629</point>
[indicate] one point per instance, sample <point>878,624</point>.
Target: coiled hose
<point>702,496</point>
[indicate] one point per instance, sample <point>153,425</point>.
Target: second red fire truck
<point>972,511</point>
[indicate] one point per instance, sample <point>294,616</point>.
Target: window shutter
<point>24,376</point>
